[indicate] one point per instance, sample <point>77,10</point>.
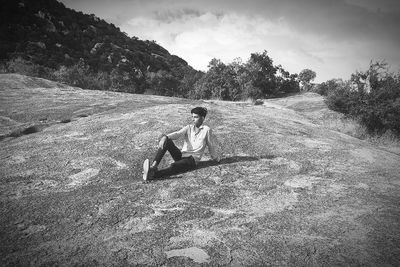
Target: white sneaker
<point>146,168</point>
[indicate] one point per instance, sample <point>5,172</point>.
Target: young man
<point>196,138</point>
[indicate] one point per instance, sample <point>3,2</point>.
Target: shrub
<point>79,75</point>
<point>3,68</point>
<point>25,67</point>
<point>371,97</point>
<point>321,89</point>
<point>338,96</point>
<point>21,66</point>
<point>161,82</point>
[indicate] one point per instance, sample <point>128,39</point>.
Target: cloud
<point>198,37</point>
<point>209,31</point>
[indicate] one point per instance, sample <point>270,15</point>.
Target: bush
<point>3,68</point>
<point>162,83</point>
<point>79,75</point>
<point>339,97</point>
<point>371,97</point>
<point>21,66</point>
<point>321,89</point>
<point>76,75</point>
<point>25,67</point>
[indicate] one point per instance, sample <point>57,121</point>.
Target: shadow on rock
<point>210,163</point>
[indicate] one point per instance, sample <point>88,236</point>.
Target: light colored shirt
<point>196,142</point>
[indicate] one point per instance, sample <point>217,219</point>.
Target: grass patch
<point>347,126</point>
<point>353,128</point>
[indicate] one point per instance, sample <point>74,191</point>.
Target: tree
<point>212,84</point>
<point>370,80</point>
<point>241,79</point>
<point>162,83</point>
<point>263,72</point>
<point>188,82</point>
<point>286,82</point>
<point>305,77</point>
<point>257,78</point>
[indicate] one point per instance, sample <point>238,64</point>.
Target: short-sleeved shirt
<point>195,142</point>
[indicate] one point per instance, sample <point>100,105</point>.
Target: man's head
<point>198,115</point>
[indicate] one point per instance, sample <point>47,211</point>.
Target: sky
<point>334,38</point>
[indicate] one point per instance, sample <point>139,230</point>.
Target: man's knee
<point>168,143</point>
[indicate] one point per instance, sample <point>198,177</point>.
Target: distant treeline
<point>257,78</point>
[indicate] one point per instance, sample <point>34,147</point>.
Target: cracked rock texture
<point>289,190</point>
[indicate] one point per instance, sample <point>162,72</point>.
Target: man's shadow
<point>210,163</point>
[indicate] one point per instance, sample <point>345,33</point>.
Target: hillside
<point>289,191</point>
<point>48,34</point>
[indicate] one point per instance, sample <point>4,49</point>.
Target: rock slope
<point>288,191</point>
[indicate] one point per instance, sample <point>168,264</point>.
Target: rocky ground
<point>289,191</point>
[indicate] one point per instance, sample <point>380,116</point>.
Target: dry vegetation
<point>291,190</point>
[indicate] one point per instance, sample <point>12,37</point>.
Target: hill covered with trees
<point>46,39</point>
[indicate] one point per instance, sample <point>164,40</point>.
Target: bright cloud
<point>202,37</point>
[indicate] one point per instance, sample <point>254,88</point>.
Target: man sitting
<point>196,138</point>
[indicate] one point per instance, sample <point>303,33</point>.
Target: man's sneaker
<point>146,168</point>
